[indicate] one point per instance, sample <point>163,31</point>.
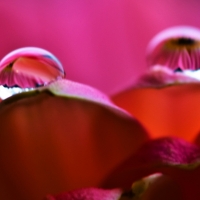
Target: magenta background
<point>100,42</point>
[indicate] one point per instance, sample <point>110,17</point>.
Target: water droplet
<point>176,47</point>
<point>28,68</point>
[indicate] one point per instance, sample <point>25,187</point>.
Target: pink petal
<point>88,194</point>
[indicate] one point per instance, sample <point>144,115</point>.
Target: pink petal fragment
<point>88,194</point>
<point>162,76</point>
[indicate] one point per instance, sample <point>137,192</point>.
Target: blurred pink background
<point>100,42</point>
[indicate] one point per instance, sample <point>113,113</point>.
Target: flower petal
<point>172,110</point>
<point>161,76</point>
<point>50,144</point>
<point>88,194</point>
<point>173,157</point>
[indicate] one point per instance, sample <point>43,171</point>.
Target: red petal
<point>50,144</point>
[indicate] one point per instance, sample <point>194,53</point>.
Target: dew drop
<point>28,68</point>
<point>175,47</point>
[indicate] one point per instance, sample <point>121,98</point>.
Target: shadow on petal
<point>164,187</point>
<point>173,157</point>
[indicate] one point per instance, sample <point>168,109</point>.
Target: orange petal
<point>167,111</point>
<point>50,144</point>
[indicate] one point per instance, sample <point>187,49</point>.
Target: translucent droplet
<point>28,68</point>
<point>177,48</point>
